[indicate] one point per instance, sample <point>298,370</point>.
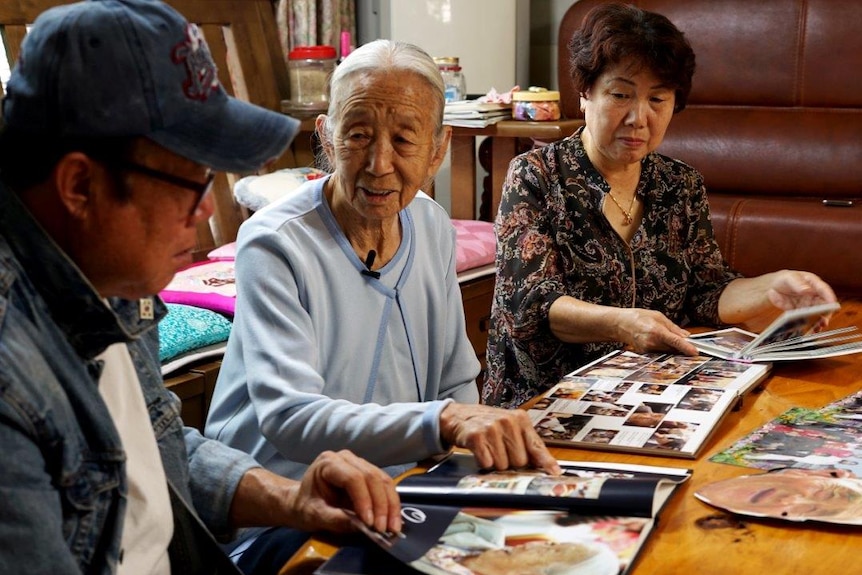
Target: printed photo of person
<point>561,426</point>
<point>666,372</point>
<point>798,439</point>
<point>623,387</point>
<point>652,388</point>
<point>715,373</point>
<point>543,404</point>
<point>600,435</point>
<point>852,404</point>
<point>573,387</point>
<point>600,396</point>
<point>648,414</point>
<point>671,435</point>
<point>832,496</point>
<point>620,365</point>
<point>796,328</point>
<point>607,410</point>
<point>566,486</point>
<point>810,461</point>
<point>845,411</point>
<point>482,541</point>
<point>729,340</point>
<point>699,399</point>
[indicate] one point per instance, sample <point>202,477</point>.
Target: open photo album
<point>794,335</point>
<point>662,404</point>
<point>458,520</point>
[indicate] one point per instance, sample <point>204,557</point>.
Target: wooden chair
<point>243,39</point>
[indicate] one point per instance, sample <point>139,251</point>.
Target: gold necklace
<point>627,214</point>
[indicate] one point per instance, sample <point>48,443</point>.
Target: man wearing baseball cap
<point>113,123</point>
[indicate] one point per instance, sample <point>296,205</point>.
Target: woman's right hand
<point>647,330</point>
<point>576,321</point>
<point>499,438</point>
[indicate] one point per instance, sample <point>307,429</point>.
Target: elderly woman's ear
<point>443,148</point>
<point>323,135</point>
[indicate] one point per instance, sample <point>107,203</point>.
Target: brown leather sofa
<point>774,124</point>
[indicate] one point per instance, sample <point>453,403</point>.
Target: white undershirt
<point>148,524</point>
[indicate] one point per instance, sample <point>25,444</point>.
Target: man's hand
<point>334,482</point>
<point>499,438</point>
<point>338,481</point>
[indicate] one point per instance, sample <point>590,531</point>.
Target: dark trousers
<point>271,550</point>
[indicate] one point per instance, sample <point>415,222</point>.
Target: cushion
<point>475,244</point>
<point>209,284</point>
<point>225,252</point>
<point>186,328</point>
<point>254,192</point>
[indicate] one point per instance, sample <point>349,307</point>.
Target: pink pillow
<point>225,252</point>
<point>210,285</point>
<point>475,244</point>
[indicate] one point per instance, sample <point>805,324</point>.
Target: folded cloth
<point>210,285</point>
<point>186,328</point>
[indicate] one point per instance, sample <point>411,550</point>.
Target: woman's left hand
<point>791,289</point>
<point>756,301</point>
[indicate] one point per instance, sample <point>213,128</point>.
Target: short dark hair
<point>27,159</point>
<point>613,33</point>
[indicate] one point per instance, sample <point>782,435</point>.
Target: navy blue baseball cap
<point>113,68</point>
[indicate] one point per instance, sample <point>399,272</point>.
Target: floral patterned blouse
<point>553,240</point>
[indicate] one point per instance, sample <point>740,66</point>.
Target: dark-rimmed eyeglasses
<point>199,188</point>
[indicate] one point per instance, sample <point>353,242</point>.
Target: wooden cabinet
<point>189,387</point>
<point>477,295</point>
<point>195,389</point>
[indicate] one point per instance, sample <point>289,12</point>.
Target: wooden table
<point>692,538</point>
<point>463,158</point>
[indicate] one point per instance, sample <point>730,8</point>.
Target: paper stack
<point>475,114</point>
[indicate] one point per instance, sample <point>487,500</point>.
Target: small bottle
<point>454,82</point>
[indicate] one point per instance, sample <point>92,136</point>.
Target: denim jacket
<point>62,479</point>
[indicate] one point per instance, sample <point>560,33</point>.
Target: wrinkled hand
<point>338,481</point>
<point>792,289</point>
<point>648,330</point>
<point>499,438</point>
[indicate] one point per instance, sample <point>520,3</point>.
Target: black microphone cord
<point>369,261</point>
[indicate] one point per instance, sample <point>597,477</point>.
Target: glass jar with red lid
<point>309,70</point>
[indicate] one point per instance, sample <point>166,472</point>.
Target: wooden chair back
<point>243,38</point>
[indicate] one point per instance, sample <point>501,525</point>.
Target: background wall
<point>500,43</point>
<point>545,18</point>
<point>536,27</point>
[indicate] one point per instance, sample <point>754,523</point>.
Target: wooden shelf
<point>506,133</point>
<point>520,129</point>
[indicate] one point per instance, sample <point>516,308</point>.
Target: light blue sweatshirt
<point>323,357</point>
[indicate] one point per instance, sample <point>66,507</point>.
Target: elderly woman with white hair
<point>349,330</point>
